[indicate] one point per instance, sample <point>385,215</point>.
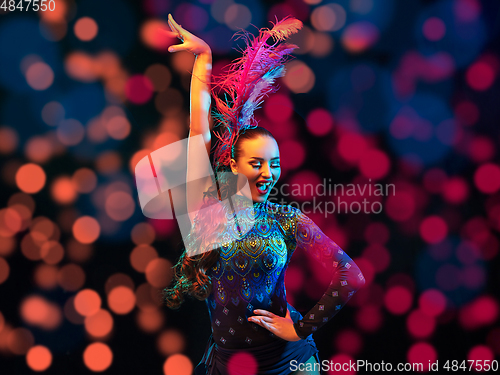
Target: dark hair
<point>190,272</point>
<point>247,134</point>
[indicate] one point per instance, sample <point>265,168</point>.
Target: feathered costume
<point>250,272</point>
<point>247,81</point>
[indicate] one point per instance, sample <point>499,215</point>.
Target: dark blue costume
<point>250,274</point>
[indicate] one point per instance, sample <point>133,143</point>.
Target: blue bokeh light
<point>445,254</point>
<point>462,40</point>
<point>428,109</point>
<point>19,37</point>
<point>359,89</point>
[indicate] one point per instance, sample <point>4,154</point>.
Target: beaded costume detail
<point>250,274</point>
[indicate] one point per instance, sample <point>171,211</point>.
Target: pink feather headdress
<point>248,80</point>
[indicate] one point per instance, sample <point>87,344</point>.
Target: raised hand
<point>281,327</point>
<point>190,42</point>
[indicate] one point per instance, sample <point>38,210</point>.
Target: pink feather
<point>248,79</point>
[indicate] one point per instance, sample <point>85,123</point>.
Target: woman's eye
<point>275,165</point>
<point>255,165</point>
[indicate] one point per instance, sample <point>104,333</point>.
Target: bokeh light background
<point>380,91</point>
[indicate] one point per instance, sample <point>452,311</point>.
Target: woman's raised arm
<point>199,114</point>
<point>202,70</point>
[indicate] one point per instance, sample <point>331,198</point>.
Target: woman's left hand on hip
<point>281,327</point>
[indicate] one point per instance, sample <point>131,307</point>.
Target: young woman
<point>240,271</point>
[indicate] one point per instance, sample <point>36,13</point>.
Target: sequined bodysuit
<point>250,274</point>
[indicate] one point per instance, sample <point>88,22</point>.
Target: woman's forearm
<point>200,95</point>
<point>197,160</point>
<point>198,164</point>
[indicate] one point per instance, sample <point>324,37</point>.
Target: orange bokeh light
<point>63,190</point>
<point>38,149</point>
<point>30,247</point>
<point>4,335</point>
<point>78,252</point>
<point>71,277</point>
<point>143,234</point>
<point>8,140</point>
<point>159,272</point>
<point>108,162</point>
<point>121,300</point>
<point>98,356</point>
<point>45,276</point>
<point>99,324</point>
<point>118,127</point>
<point>85,180</point>
<point>86,29</point>
<point>178,364</point>
<point>87,302</point>
<point>57,14</point>
<point>96,130</point>
<point>141,256</point>
<point>37,310</point>
<point>148,297</point>
<point>108,64</point>
<point>20,340</point>
<point>39,76</point>
<point>44,229</point>
<point>7,245</point>
<point>24,212</point>
<point>153,35</point>
<point>170,342</point>
<point>118,279</point>
<point>39,357</point>
<point>81,66</point>
<point>300,77</point>
<point>30,178</point>
<point>86,229</point>
<point>23,199</point>
<point>150,320</point>
<point>10,222</point>
<point>52,252</point>
<point>119,206</point>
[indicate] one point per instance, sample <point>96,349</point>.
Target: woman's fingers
<point>267,326</point>
<point>175,31</point>
<point>266,319</point>
<point>176,48</point>
<point>260,319</point>
<point>264,312</point>
<point>176,25</point>
<point>171,23</point>
<point>263,322</point>
<point>172,34</point>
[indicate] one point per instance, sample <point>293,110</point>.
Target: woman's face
<point>259,162</point>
